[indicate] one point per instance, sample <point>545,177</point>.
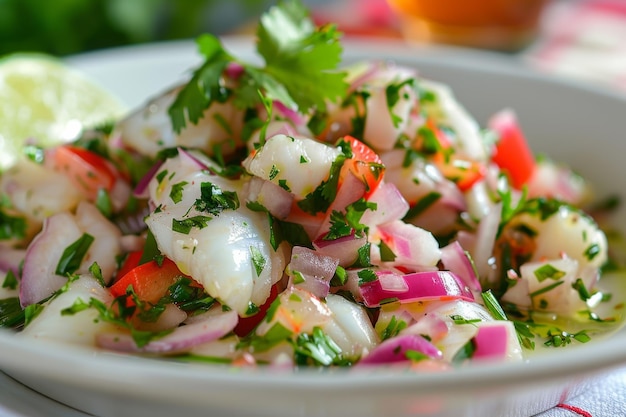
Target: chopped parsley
<point>185,225</point>
<point>214,200</point>
<point>344,224</point>
<point>73,255</point>
<point>11,227</point>
<point>548,271</point>
<point>176,193</point>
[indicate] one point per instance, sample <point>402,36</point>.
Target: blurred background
<point>580,38</point>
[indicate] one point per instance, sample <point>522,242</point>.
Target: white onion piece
<point>421,286</point>
<point>482,248</point>
<point>299,311</point>
<point>170,318</point>
<point>431,325</point>
<point>561,299</point>
<point>455,259</point>
<point>384,124</point>
<point>316,269</point>
<point>275,199</point>
<point>392,282</point>
<point>395,349</point>
<point>39,279</point>
<point>390,205</point>
<point>469,141</point>
<point>276,127</point>
<point>459,333</point>
<point>345,248</point>
<point>182,339</point>
<point>350,326</point>
<point>412,245</point>
<point>106,244</point>
<point>79,328</point>
<point>312,263</point>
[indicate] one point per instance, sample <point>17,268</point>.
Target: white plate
<point>577,124</point>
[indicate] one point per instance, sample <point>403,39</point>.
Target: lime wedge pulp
<point>44,101</point>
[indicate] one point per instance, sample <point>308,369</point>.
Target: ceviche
<point>303,212</point>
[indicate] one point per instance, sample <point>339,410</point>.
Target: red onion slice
<point>182,339</point>
<point>39,279</point>
<point>492,340</point>
<point>316,269</point>
<point>345,248</point>
<point>296,118</point>
<point>141,189</point>
<point>390,205</point>
<point>422,286</point>
<point>234,70</point>
<point>10,259</point>
<point>412,245</point>
<point>455,259</point>
<point>395,349</point>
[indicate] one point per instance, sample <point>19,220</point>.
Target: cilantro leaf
<point>300,68</point>
<point>300,55</point>
<point>204,86</point>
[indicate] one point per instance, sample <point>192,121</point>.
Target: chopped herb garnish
<point>300,68</point>
<point>103,203</point>
<point>548,271</point>
<point>214,200</point>
<point>112,315</point>
<point>462,320</point>
<point>592,251</point>
<point>275,335</point>
<point>465,353</point>
<point>363,257</point>
<point>546,289</point>
<point>415,355</point>
<point>73,255</point>
<point>560,338</point>
<point>392,329</point>
<point>344,224</point>
<point>366,275</point>
<point>318,349</point>
<point>96,272</point>
<point>579,286</point>
<point>423,204</point>
<point>10,280</point>
<point>258,260</point>
<point>11,313</point>
<point>340,277</point>
<point>386,254</point>
<point>12,227</point>
<point>185,225</point>
<point>176,193</point>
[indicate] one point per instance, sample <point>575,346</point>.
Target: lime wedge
<point>44,101</point>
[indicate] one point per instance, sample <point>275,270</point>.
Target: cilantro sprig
<point>299,70</point>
